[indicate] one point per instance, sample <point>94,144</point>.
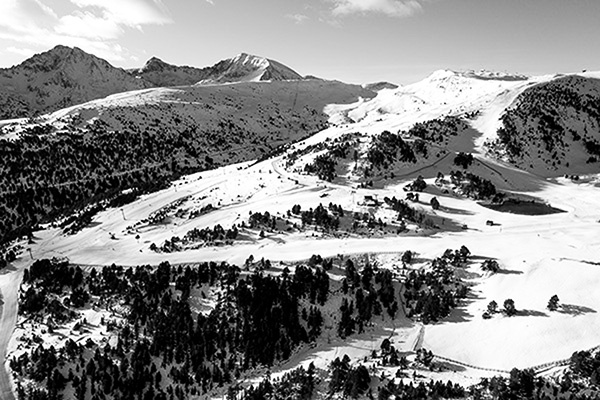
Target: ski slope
<point>539,255</point>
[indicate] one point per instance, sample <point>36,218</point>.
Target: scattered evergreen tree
<point>490,265</point>
<point>553,303</point>
<point>509,307</point>
<point>492,307</point>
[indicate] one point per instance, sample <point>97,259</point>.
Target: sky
<point>357,41</point>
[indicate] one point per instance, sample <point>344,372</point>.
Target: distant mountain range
<point>547,125</point>
<point>65,76</point>
<point>242,68</point>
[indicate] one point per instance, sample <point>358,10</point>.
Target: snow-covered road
<point>10,279</point>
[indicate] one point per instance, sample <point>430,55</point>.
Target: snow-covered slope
<point>248,68</point>
<point>538,255</point>
<point>444,92</point>
<point>265,109</point>
<point>548,125</point>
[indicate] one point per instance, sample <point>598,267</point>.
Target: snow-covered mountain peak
<point>482,74</point>
<point>249,68</point>
<point>441,74</point>
<point>444,92</point>
<point>250,60</point>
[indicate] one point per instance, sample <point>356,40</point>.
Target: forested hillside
<point>553,128</point>
<point>60,165</point>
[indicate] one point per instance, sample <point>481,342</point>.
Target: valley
<point>531,277</point>
<point>375,194</point>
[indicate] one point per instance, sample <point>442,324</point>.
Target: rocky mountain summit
<point>65,76</point>
<point>59,78</point>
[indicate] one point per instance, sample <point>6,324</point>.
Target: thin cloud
<point>24,15</point>
<point>108,50</point>
<point>47,10</point>
<point>21,50</point>
<point>88,25</point>
<point>391,8</point>
<point>131,13</point>
<point>297,18</point>
<point>94,26</point>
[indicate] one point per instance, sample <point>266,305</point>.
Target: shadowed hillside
<point>553,128</point>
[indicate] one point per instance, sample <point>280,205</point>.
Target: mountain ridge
<point>58,78</point>
<point>330,173</point>
<point>65,76</point>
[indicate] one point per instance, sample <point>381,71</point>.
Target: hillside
<point>369,244</point>
<point>377,86</point>
<point>160,73</point>
<point>553,128</point>
<point>59,78</point>
<point>143,139</point>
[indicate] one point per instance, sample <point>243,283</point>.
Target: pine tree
<point>509,307</point>
<point>553,303</point>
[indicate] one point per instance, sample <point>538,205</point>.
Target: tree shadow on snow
<point>467,275</point>
<point>458,211</point>
<point>530,313</point>
<point>573,309</point>
<point>509,272</point>
<point>442,366</point>
<point>460,314</point>
<point>475,257</point>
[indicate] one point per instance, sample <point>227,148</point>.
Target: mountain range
<point>242,68</point>
<point>560,112</point>
<point>179,231</point>
<point>65,76</point>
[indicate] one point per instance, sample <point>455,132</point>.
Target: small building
<point>370,201</point>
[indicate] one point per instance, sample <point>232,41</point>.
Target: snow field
<point>539,255</point>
